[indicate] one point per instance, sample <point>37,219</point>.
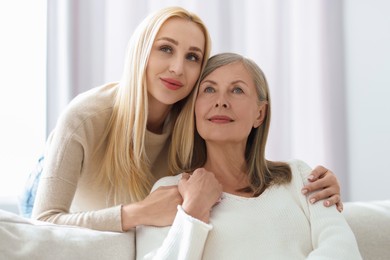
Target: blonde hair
<point>125,167</point>
<point>192,154</point>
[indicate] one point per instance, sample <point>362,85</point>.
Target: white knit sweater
<point>279,224</point>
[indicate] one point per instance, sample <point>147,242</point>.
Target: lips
<point>171,84</point>
<point>220,119</point>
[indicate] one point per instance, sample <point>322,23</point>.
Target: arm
<point>332,238</point>
<point>70,193</point>
<point>326,183</point>
<point>185,239</point>
<point>157,209</point>
<point>68,153</point>
<point>187,236</point>
<point>58,188</point>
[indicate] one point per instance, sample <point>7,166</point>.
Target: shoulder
<point>94,100</point>
<point>167,181</point>
<point>300,170</point>
<point>299,167</point>
<point>94,103</point>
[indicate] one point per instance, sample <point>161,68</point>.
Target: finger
<point>317,173</point>
<point>340,206</point>
<point>330,198</point>
<point>183,181</point>
<point>185,175</point>
<point>314,186</point>
<point>333,200</point>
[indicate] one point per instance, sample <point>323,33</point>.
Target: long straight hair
<point>192,154</point>
<point>125,167</point>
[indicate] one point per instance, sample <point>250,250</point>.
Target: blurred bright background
<point>23,93</point>
<point>327,63</point>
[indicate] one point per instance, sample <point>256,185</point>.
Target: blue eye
<point>193,57</point>
<point>209,90</point>
<point>238,90</point>
<point>166,49</point>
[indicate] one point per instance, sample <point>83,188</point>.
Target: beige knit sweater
<point>68,192</point>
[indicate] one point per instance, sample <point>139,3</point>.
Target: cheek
<point>199,110</point>
<point>250,116</point>
<point>149,72</point>
<point>155,65</point>
<point>189,88</point>
<point>193,75</point>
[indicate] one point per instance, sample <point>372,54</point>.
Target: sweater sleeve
<point>57,188</point>
<point>68,150</point>
<point>332,238</point>
<point>185,239</point>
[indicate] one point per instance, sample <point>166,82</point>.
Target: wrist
<point>196,210</point>
<point>131,216</point>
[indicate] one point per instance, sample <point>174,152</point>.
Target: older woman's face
<point>175,61</point>
<point>227,107</point>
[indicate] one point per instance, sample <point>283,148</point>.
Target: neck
<point>157,114</point>
<point>228,164</point>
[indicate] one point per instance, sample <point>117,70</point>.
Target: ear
<point>262,112</point>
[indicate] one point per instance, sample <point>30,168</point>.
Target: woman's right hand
<point>200,192</point>
<point>159,209</point>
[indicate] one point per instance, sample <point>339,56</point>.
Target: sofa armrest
<point>22,238</point>
<point>370,222</point>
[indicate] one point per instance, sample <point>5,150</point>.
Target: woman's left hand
<point>326,183</point>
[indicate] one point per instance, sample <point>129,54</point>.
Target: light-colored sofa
<point>22,238</point>
<point>370,222</point>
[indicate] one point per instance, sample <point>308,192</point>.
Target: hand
<point>159,208</point>
<point>327,186</point>
<point>200,192</point>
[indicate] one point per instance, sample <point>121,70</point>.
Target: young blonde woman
<point>112,142</point>
<point>236,204</point>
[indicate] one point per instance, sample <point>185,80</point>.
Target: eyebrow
<point>231,83</point>
<point>209,81</point>
<point>239,81</point>
<point>192,48</point>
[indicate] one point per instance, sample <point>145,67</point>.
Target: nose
<point>221,102</point>
<point>177,66</point>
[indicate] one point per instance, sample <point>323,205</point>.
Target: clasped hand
<point>200,192</point>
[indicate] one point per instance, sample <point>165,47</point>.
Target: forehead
<point>185,29</point>
<point>231,73</point>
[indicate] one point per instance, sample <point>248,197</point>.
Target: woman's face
<point>227,106</point>
<point>175,61</point>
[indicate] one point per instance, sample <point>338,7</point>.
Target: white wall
<point>367,46</point>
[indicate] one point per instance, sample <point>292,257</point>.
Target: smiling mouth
<point>171,84</point>
<point>221,119</point>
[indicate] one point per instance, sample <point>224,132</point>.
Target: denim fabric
<point>27,198</point>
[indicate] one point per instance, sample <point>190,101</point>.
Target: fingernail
<point>310,177</point>
<point>304,191</point>
<point>312,200</point>
<point>327,203</point>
